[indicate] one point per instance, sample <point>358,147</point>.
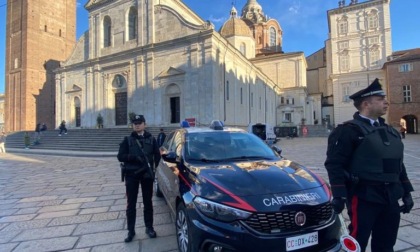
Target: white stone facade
<point>176,66</point>
<point>358,46</point>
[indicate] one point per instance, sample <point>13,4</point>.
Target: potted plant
<point>100,121</point>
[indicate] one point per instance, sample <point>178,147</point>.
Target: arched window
<point>242,48</point>
<point>107,31</point>
<point>373,21</point>
<point>132,23</point>
<point>273,36</point>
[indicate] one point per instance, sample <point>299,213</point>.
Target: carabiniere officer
<point>140,154</point>
<point>366,171</point>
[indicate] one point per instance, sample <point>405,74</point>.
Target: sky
<point>304,22</point>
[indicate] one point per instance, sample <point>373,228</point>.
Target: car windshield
<point>223,146</point>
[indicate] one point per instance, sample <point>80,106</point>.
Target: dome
<point>235,27</point>
<point>253,11</point>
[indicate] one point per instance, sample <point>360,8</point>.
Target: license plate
<point>301,241</point>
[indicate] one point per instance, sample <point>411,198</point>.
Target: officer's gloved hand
<point>408,203</point>
<point>338,204</point>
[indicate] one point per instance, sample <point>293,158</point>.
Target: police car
<point>229,191</point>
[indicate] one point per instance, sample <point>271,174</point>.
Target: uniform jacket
<point>133,157</point>
<point>342,145</point>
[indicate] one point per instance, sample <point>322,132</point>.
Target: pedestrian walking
<point>366,172</point>
<point>139,153</point>
<point>37,136</point>
<point>2,142</point>
<point>27,140</point>
<point>402,131</point>
<point>161,137</point>
<point>62,128</point>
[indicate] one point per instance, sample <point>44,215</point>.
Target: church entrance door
<point>121,108</point>
<point>175,110</point>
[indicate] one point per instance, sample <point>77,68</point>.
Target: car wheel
<point>182,229</point>
<point>157,189</point>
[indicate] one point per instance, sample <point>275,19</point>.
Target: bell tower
<point>39,34</point>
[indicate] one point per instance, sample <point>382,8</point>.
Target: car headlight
<point>218,211</point>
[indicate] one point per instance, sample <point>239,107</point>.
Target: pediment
<point>171,71</point>
<point>94,3</point>
<point>74,88</point>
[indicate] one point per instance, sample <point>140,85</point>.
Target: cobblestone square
<point>62,202</point>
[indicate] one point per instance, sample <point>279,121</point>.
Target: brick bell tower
<point>39,34</point>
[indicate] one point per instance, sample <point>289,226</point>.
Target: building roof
<point>235,26</point>
<point>405,55</point>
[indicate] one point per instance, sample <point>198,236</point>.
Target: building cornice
<point>355,7</point>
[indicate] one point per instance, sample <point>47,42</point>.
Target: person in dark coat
<point>366,172</point>
<point>140,154</point>
<point>161,137</point>
<point>37,134</point>
<point>62,128</point>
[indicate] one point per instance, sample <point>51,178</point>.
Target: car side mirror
<point>169,157</point>
<point>276,149</point>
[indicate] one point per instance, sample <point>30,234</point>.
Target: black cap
<point>138,119</point>
<point>374,89</point>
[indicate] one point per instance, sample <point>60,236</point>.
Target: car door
<point>164,169</point>
<point>173,172</point>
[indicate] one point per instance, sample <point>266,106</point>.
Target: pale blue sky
<point>304,22</point>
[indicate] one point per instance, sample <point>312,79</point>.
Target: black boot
<point>130,236</point>
<point>151,232</point>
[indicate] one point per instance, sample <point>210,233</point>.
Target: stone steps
<point>101,140</point>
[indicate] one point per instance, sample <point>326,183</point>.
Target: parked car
<point>229,191</point>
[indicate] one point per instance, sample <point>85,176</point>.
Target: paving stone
<point>159,244</point>
<point>118,207</point>
<point>29,210</point>
<point>406,234</point>
<point>79,200</point>
<point>70,220</point>
<point>6,206</point>
<point>105,216</point>
<point>122,247</point>
<point>8,201</point>
<point>34,199</point>
<point>47,232</point>
<point>7,247</point>
<point>98,204</point>
<point>51,215</point>
<point>413,218</point>
<point>50,203</point>
<point>13,218</point>
<point>53,244</point>
<point>80,250</point>
<point>22,225</point>
<point>59,208</point>
<point>402,245</point>
<point>99,226</point>
<point>90,240</point>
<point>7,236</point>
<point>8,212</point>
<point>111,197</point>
<point>94,210</point>
<point>25,205</point>
<point>94,194</point>
<point>2,225</point>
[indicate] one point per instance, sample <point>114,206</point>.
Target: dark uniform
<point>366,171</point>
<point>139,153</point>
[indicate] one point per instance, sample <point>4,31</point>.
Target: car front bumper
<point>207,232</point>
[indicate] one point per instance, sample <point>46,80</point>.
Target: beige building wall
<point>37,38</point>
<point>2,112</point>
<point>358,46</point>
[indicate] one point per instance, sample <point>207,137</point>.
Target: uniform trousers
<point>132,182</point>
<point>380,220</point>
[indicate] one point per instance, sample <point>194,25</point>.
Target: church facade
<point>159,59</point>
